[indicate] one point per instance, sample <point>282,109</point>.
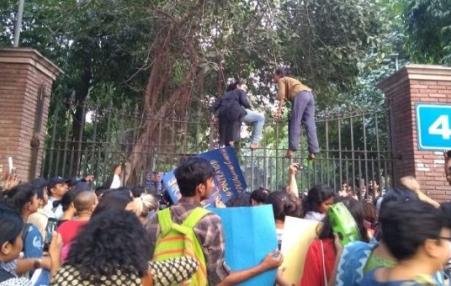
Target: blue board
<point>434,127</point>
<point>170,185</point>
<point>250,234</point>
<point>229,179</point>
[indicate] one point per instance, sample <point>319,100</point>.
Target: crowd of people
<point>62,232</point>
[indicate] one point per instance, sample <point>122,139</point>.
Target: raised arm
<point>292,184</point>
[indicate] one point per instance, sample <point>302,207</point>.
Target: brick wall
<point>24,76</point>
<point>412,85</point>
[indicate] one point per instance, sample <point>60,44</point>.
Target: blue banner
<point>248,242</point>
<point>229,179</point>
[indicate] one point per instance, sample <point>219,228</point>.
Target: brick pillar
<point>26,79</point>
<point>408,87</point>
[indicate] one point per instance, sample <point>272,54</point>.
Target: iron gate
<point>355,147</point>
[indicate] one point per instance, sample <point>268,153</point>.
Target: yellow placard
<point>297,236</point>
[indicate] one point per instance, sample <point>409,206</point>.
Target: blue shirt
<point>34,248</point>
<point>370,280</point>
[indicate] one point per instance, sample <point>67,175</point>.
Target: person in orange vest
<point>172,226</point>
<point>302,111</point>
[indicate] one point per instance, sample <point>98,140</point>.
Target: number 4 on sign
<point>441,127</point>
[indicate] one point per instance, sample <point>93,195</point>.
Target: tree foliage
<point>167,59</point>
<point>429,28</point>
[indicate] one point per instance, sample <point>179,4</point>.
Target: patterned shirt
<point>209,233</point>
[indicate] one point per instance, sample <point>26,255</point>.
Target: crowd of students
<point>62,232</point>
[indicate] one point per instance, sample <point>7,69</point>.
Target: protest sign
<point>229,179</point>
<point>297,236</point>
<point>170,185</point>
<point>250,234</point>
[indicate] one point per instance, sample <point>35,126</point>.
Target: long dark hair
<point>284,204</point>
<point>316,196</point>
<point>112,241</point>
<point>116,199</point>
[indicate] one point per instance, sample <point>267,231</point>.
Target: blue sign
<point>170,185</point>
<point>247,243</point>
<point>434,127</point>
<point>229,179</point>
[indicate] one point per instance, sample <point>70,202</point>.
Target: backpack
<point>176,240</point>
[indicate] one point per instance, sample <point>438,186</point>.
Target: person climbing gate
<point>302,111</point>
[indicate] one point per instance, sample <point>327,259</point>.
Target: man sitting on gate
<point>188,229</point>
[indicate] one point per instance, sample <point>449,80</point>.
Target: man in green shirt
<point>302,111</point>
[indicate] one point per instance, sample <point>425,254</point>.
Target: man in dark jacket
<point>230,110</point>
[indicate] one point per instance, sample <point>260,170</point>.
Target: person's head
<point>396,195</point>
<point>40,184</point>
<point>67,202</point>
<point>85,202</point>
<point>259,197</point>
<point>241,200</point>
<point>358,212</point>
<point>138,191</point>
<point>11,225</point>
<point>319,199</point>
<point>278,74</point>
<point>284,204</point>
<point>234,85</point>
<point>117,199</point>
<point>195,178</point>
<point>24,198</point>
<point>448,166</point>
<point>156,176</point>
<point>117,169</point>
<point>57,187</point>
<point>145,204</point>
<point>446,210</point>
<point>112,241</point>
<point>415,230</point>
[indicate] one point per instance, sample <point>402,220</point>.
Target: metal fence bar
<point>108,139</point>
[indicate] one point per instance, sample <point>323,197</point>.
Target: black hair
<point>112,241</point>
<point>281,72</point>
<point>137,191</point>
<point>67,199</point>
<point>191,173</point>
<point>407,225</point>
<point>20,195</point>
<point>116,199</point>
<point>40,184</point>
<point>11,224</point>
<point>260,195</point>
<point>241,200</point>
<point>316,196</point>
<point>101,190</point>
<point>400,194</point>
<point>284,204</point>
<point>446,211</point>
<point>234,85</point>
<point>357,210</point>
